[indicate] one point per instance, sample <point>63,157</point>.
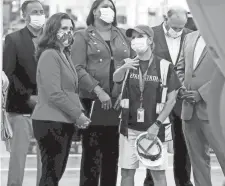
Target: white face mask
<point>37,21</point>
<point>107,15</point>
<point>139,45</point>
<point>172,33</point>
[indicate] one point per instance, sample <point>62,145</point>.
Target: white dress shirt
<point>200,45</point>
<point>173,46</point>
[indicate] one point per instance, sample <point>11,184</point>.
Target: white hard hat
<point>149,152</point>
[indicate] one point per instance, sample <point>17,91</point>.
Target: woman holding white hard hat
<point>148,96</point>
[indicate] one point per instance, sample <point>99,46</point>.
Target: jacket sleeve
<point>79,58</point>
<point>128,42</point>
<point>180,66</point>
<point>204,91</point>
<point>9,57</point>
<point>50,82</point>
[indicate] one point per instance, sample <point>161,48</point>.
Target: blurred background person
<point>5,86</point>
<point>20,66</point>
<point>168,39</point>
<point>96,52</point>
<point>58,108</point>
<point>6,128</point>
<point>72,16</point>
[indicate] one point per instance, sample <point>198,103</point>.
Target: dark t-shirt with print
<point>151,89</point>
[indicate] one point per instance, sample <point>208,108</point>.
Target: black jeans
<point>182,163</point>
<point>54,140</point>
<point>99,156</point>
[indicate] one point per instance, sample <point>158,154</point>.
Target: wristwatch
<point>158,123</point>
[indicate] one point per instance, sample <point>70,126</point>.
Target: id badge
<point>159,107</point>
<point>140,115</point>
<point>124,103</point>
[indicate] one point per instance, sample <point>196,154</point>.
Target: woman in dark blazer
<point>58,108</point>
<point>97,51</point>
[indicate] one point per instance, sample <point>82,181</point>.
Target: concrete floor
<point>71,178</point>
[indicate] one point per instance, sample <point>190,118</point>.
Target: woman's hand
<point>83,121</point>
<point>103,97</point>
<point>32,101</point>
<point>105,100</point>
<point>130,63</point>
<point>153,132</point>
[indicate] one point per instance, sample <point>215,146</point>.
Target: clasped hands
<point>83,121</point>
<point>191,96</point>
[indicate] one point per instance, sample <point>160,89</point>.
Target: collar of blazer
<point>185,32</point>
<point>91,29</point>
<point>194,39</point>
<point>94,33</point>
<point>69,64</point>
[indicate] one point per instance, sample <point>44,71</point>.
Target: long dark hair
<point>91,18</point>
<point>48,39</point>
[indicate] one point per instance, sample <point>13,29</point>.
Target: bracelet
<point>158,123</point>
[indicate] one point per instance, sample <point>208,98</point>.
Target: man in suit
<point>168,41</point>
<point>195,70</point>
<point>20,66</point>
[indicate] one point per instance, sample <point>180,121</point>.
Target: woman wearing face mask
<point>96,52</point>
<point>143,87</point>
<point>58,108</point>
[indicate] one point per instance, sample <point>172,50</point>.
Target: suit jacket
<point>20,65</point>
<point>198,79</point>
<point>162,50</point>
<point>57,83</point>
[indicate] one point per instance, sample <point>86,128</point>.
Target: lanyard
<point>142,79</point>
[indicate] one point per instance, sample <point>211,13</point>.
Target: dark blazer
<point>162,50</point>
<point>57,83</point>
<point>20,66</point>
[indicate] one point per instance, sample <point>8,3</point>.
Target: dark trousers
<point>182,163</point>
<point>99,156</point>
<point>54,140</point>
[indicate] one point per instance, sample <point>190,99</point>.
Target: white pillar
<point>132,13</point>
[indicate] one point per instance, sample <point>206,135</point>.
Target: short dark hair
<point>26,3</point>
<point>48,39</point>
<point>90,19</point>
